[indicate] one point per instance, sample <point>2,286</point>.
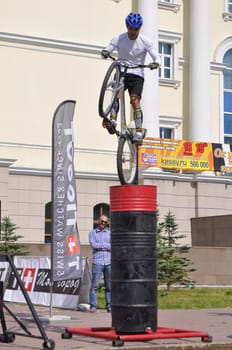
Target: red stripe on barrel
<point>133,198</point>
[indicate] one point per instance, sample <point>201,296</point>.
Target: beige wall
<point>24,197</point>
<point>65,20</point>
<point>211,265</point>
<point>219,29</point>
<point>36,78</point>
<point>4,189</point>
<point>189,199</point>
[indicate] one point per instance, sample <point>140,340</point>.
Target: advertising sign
<point>35,273</point>
<point>66,255</point>
<point>185,155</point>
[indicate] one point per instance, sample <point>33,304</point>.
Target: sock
<point>138,117</point>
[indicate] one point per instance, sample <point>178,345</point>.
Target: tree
<point>173,266</point>
<point>9,238</point>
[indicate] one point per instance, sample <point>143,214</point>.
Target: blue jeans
<point>97,271</point>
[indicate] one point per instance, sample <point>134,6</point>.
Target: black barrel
<point>133,258</point>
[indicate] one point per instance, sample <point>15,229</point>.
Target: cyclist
<point>132,47</point>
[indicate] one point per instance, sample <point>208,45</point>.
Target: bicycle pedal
<point>109,126</point>
<point>138,137</point>
<point>137,140</point>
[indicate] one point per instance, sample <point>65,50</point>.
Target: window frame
<point>98,210</point>
<point>227,15</point>
<point>163,56</point>
<point>173,123</point>
<point>227,113</point>
<point>173,40</point>
<point>166,128</point>
<point>227,89</point>
<point>48,222</point>
<point>221,50</point>
<point>172,5</point>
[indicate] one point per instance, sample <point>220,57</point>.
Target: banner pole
<point>52,212</point>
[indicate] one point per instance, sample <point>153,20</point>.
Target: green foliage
<point>187,298</point>
<point>194,298</point>
<point>9,238</point>
<point>173,266</point>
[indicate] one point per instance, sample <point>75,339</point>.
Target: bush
<point>9,238</point>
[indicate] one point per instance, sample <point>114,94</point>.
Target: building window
<point>98,210</point>
<point>227,60</point>
<point>166,133</point>
<point>229,6</point>
<point>227,15</point>
<point>169,5</point>
<point>48,223</point>
<point>166,54</point>
<point>168,50</point>
<point>169,127</point>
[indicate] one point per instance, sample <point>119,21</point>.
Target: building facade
<point>50,52</point>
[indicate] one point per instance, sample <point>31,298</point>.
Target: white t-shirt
<point>133,52</point>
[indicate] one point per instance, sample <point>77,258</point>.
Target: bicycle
<point>127,151</point>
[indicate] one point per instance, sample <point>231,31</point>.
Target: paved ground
<point>215,322</point>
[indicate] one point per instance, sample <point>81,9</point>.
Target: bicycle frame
<point>127,152</point>
<point>123,122</point>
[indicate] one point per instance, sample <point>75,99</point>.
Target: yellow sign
<point>186,155</point>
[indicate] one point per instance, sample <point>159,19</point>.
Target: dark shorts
<point>134,84</point>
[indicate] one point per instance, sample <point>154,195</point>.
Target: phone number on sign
<point>184,163</point>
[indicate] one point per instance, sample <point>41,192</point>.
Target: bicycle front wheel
<point>127,161</point>
<point>109,89</point>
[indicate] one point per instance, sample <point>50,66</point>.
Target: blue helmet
<point>134,20</point>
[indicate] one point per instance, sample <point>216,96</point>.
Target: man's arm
<point>99,245</point>
<point>92,240</point>
<point>150,47</point>
<point>110,48</point>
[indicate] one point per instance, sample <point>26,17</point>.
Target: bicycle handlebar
<point>127,66</point>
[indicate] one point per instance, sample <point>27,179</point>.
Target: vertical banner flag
<point>65,250</point>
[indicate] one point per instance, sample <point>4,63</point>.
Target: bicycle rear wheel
<point>109,89</point>
<point>127,161</point>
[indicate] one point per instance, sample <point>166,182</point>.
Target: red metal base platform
<point>119,338</point>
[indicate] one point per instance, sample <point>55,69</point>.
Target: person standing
<point>99,240</point>
<point>132,47</point>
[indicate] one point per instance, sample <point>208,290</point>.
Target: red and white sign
<point>35,273</point>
